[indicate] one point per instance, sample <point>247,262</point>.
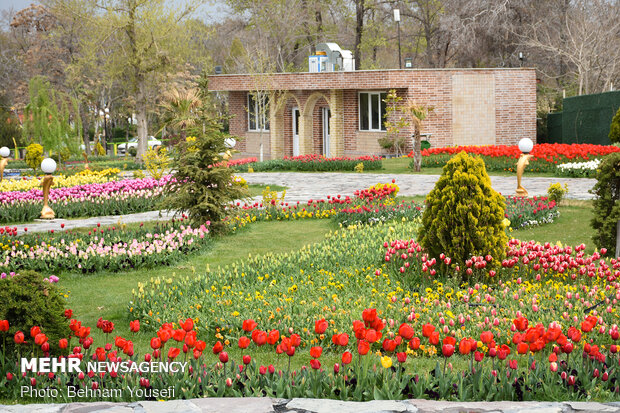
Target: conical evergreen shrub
<point>464,215</point>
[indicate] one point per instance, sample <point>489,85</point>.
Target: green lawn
<point>571,228</point>
<point>107,294</point>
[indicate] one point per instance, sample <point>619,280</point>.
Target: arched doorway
<point>314,134</point>
<point>282,127</point>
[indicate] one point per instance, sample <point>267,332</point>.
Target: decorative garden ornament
<point>48,166</point>
<point>4,154</point>
<point>525,146</point>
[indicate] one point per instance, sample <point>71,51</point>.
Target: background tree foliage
<point>124,55</point>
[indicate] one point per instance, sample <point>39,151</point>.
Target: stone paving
<point>305,186</point>
<point>266,405</point>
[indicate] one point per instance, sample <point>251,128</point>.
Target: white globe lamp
<point>526,145</point>
<point>48,165</point>
<point>4,155</point>
<point>230,143</point>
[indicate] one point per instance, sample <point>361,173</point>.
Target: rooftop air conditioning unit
<point>330,57</point>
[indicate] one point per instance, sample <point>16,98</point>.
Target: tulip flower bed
<point>545,157</point>
<point>109,198</point>
<point>61,181</point>
<point>498,347</point>
<point>525,212</point>
<point>578,169</point>
<point>112,249</point>
<point>315,163</point>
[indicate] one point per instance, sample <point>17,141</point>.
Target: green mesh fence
<point>585,119</point>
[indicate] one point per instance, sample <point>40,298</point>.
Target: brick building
<point>340,113</point>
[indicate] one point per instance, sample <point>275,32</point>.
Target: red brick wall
<point>515,103</point>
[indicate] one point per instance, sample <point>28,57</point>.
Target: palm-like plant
<point>180,107</point>
<point>418,114</point>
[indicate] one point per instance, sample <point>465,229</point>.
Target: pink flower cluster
<point>90,192</point>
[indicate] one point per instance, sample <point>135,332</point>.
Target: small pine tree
<point>464,215</point>
<point>203,184</point>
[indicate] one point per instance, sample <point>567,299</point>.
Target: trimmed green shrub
<point>614,128</point>
<point>34,155</point>
<point>606,205</point>
<point>28,300</point>
<point>464,215</point>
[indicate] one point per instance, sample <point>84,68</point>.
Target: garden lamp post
<point>4,154</point>
<point>525,146</point>
<point>48,165</point>
<point>397,20</point>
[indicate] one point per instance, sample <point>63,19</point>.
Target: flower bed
<point>544,327</point>
<point>545,157</point>
<point>112,249</point>
<point>61,181</point>
<point>525,212</point>
<point>109,198</point>
<point>316,163</point>
<point>578,169</point>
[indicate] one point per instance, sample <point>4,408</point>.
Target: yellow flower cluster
<point>61,181</point>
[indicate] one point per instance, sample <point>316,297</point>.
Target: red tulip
<point>39,339</point>
<point>164,335</point>
<point>34,331</point>
<point>449,340</point>
<point>4,325</point>
<point>427,330</point>
<point>414,343</point>
<point>315,364</point>
<point>465,346</point>
<point>401,357</point>
<point>447,350</point>
<point>369,315</point>
<point>187,325</point>
<point>512,364</point>
<point>521,323</point>
<point>247,359</point>
<point>406,331</point>
<point>347,357</point>
<point>244,342</point>
<point>522,348</point>
<point>68,313</point>
<point>315,352</point>
<point>478,356</point>
<point>178,335</point>
<point>134,326</point>
<point>389,345</point>
<point>486,337</point>
<point>173,352</point>
<point>434,338</point>
<point>320,326</point>
<point>249,325</point>
<point>190,339</point>
<point>155,343</point>
<point>363,347</point>
<point>63,343</point>
<point>372,336</point>
<point>223,357</point>
<point>273,337</point>
<point>218,347</point>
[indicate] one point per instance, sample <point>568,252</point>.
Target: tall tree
<point>148,39</point>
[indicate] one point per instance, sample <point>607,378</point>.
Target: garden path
<point>305,186</point>
<point>266,405</point>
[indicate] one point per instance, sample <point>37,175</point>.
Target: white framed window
<point>258,113</point>
<point>371,111</point>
